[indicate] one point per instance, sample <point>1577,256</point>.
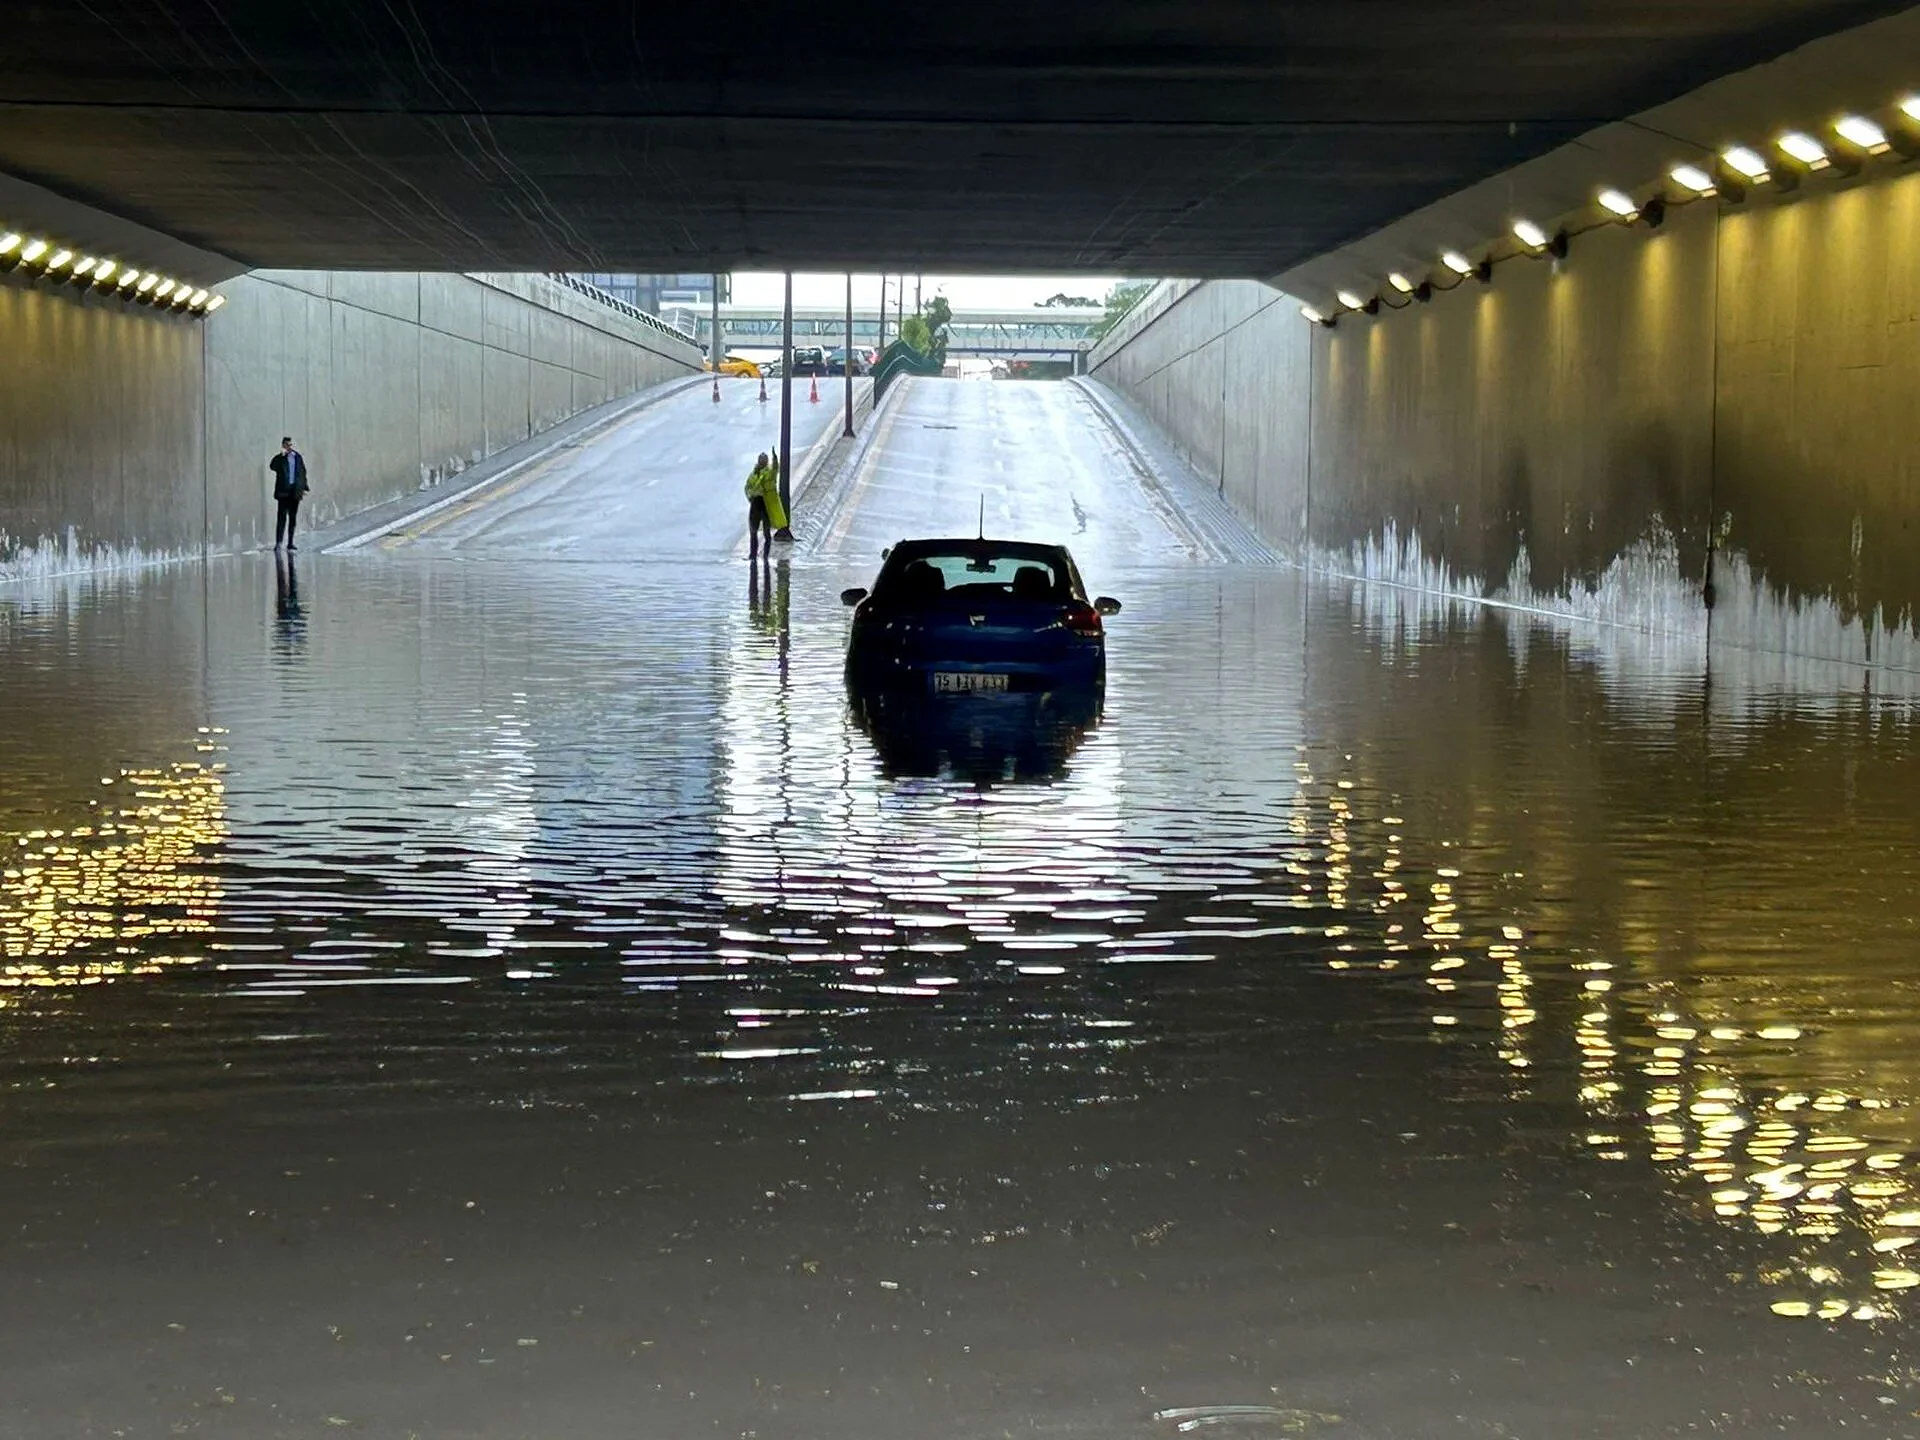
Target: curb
<point>816,457</point>
<point>1250,545</point>
<point>808,542</point>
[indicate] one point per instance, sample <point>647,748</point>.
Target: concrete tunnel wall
<point>1730,397</point>
<point>127,436</point>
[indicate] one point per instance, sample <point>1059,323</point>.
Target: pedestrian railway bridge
<point>1037,332</point>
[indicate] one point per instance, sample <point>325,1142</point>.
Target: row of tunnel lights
<point>1732,171</point>
<point>43,258</point>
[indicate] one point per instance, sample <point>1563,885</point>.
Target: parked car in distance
<point>837,362</point>
<point>809,360</point>
<point>737,365</point>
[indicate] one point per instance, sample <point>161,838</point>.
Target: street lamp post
<point>848,367</point>
<point>786,406</point>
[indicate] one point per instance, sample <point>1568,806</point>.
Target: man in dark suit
<point>289,469</point>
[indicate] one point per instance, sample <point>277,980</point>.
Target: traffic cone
<point>763,389</point>
<point>716,388</point>
<point>813,391</point>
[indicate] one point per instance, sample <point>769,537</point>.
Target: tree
<point>913,330</point>
<point>1120,299</point>
<point>1060,297</point>
<point>938,317</point>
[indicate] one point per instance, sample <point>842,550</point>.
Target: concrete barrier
<point>1707,427</point>
<point>133,437</point>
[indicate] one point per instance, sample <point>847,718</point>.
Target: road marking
<point>394,540</point>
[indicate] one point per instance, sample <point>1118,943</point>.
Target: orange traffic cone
<point>813,391</point>
<point>763,389</point>
<point>716,389</point>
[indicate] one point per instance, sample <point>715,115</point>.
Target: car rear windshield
<point>979,573</point>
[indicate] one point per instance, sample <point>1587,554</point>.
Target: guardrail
<point>614,302</point>
<point>900,358</point>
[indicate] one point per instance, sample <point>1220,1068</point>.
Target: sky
<point>983,292</point>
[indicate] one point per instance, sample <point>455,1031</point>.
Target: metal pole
<point>901,311</point>
<point>718,356</point>
<point>848,367</point>
<point>918,309</point>
<point>881,348</point>
<point>786,402</point>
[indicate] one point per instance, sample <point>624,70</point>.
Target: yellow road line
<point>467,507</point>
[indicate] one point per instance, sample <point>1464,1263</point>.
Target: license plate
<point>964,682</point>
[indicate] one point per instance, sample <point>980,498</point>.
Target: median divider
<point>822,525</point>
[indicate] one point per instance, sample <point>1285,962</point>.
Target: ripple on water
<point>1676,923</point>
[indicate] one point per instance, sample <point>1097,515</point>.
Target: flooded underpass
<point>491,998</point>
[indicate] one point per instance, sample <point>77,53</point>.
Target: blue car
<point>965,618</point>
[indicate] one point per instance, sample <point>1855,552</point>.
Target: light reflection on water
<point>1675,918</point>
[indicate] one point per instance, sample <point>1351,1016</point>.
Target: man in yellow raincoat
<point>764,510</point>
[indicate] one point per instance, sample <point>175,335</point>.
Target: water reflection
<point>981,739</point>
<point>84,904</point>
<point>1727,988</point>
<point>290,619</point>
<point>630,834</point>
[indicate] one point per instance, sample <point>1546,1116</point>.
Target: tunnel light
<point>1400,283</point>
<point>9,242</point>
<point>1910,107</point>
<point>32,251</point>
<point>103,272</point>
<point>1618,202</point>
<point>1530,234</point>
<point>162,290</point>
<point>214,302</point>
<point>1691,177</point>
<point>129,278</point>
<point>1457,262</point>
<point>84,267</point>
<point>1804,148</point>
<point>147,282</point>
<point>1743,161</point>
<point>61,259</point>
<point>1349,299</point>
<point>1860,131</point>
<point>199,297</point>
<point>1313,315</point>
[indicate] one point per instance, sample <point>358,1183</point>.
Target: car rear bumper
<point>1076,669</point>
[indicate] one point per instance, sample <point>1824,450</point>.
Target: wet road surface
<point>511,999</point>
<point>666,482</point>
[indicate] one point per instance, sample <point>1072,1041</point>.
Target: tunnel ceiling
<point>1199,137</point>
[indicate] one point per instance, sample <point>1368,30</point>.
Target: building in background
<point>677,299</point>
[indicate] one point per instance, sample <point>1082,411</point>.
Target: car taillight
<point>1082,620</point>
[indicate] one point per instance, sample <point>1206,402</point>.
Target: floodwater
<point>488,999</point>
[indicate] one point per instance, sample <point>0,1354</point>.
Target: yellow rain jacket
<point>765,482</point>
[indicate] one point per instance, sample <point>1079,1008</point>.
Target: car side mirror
<point>1107,605</point>
<point>853,596</point>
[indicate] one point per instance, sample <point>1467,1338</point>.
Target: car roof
<point>967,544</point>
